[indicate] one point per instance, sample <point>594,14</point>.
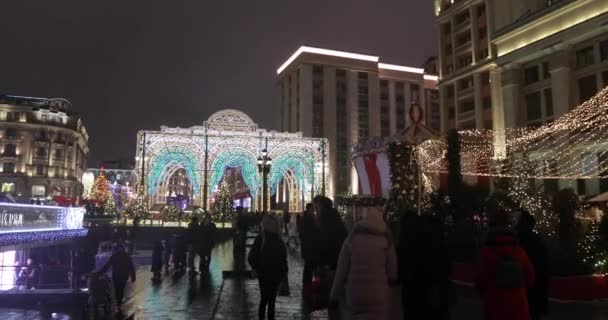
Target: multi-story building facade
<point>44,148</point>
<point>349,98</point>
<point>507,64</point>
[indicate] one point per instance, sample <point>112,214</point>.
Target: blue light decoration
<point>169,158</point>
<point>23,238</point>
<point>301,164</point>
<point>232,158</point>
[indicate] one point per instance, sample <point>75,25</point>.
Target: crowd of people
<point>358,264</point>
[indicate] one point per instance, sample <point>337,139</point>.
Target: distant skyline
<point>132,65</point>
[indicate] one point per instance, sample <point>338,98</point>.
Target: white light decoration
<point>575,146</point>
<point>327,52</point>
<point>228,139</point>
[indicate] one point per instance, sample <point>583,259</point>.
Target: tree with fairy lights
<point>110,207</point>
<point>404,177</point>
<point>222,206</point>
<point>100,192</point>
<point>593,250</point>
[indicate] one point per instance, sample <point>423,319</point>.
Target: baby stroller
<point>101,292</point>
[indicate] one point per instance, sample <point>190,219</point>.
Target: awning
<point>602,197</point>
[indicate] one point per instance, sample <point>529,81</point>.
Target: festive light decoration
<point>222,207</point>
<point>229,138</point>
<point>22,238</point>
<point>574,146</point>
<point>237,157</point>
<point>594,250</point>
<point>100,192</point>
<point>404,175</point>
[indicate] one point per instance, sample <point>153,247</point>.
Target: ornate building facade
<point>44,148</point>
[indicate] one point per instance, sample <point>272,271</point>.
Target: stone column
<point>478,100</point>
<point>305,105</point>
<point>559,68</point>
<point>392,108</point>
<point>374,104</point>
<point>498,113</point>
<point>512,102</point>
<point>443,108</point>
<point>329,108</point>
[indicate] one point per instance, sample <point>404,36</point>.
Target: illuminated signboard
<point>28,218</point>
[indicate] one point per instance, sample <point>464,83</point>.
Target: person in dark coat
<point>166,255</point>
<point>179,253</point>
<point>537,252</point>
<point>122,269</point>
<point>332,232</point>
<point>157,260</point>
<point>207,240</point>
<point>193,243</point>
<point>309,243</point>
<point>268,258</point>
<point>425,267</point>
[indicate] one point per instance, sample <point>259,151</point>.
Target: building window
<point>39,170</point>
<point>11,133</point>
<point>587,87</point>
<point>10,150</point>
<point>399,105</point>
<point>604,50</point>
<point>8,167</point>
<point>41,152</point>
<point>451,113</point>
<point>463,39</point>
<point>548,102</point>
<point>38,191</point>
<point>58,154</point>
<point>531,74</point>
<point>385,129</point>
<point>8,187</point>
<point>533,106</point>
<point>584,57</point>
<point>546,72</point>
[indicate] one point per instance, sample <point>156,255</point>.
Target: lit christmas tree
<point>140,205</point>
<point>110,207</point>
<point>222,206</point>
<point>100,192</point>
<point>593,251</point>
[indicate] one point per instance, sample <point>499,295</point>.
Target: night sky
<point>128,65</point>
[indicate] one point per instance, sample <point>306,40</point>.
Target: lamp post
<point>264,163</point>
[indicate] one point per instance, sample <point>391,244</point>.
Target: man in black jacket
<point>122,269</point>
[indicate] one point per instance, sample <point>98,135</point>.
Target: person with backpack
<point>268,259</point>
<point>537,252</point>
<point>367,264</point>
<point>504,273</point>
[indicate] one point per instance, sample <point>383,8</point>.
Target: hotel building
<point>506,64</point>
<point>44,148</point>
<point>349,98</point>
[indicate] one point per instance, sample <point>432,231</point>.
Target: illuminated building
<point>349,98</point>
<point>44,147</point>
<point>545,57</point>
<point>205,155</point>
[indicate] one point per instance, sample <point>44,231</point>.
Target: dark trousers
<point>268,296</point>
<point>309,269</point>
<point>204,260</point>
<point>191,256</point>
<point>119,288</point>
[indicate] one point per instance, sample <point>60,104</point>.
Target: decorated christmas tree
<point>140,206</point>
<point>222,206</point>
<point>110,207</point>
<point>593,251</point>
<point>404,177</point>
<point>100,192</point>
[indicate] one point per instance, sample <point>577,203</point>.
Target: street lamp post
<point>264,163</point>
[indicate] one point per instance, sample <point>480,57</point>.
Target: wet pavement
<point>235,296</point>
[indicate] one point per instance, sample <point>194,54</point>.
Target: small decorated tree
<point>222,206</point>
<point>110,207</point>
<point>100,192</point>
<point>593,251</point>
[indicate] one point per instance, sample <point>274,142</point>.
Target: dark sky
<point>128,65</point>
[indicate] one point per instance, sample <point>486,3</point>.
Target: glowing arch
<point>232,158</point>
<point>166,161</point>
<point>300,163</point>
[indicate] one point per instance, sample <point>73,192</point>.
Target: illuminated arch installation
<point>229,139</point>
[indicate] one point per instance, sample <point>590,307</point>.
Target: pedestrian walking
<point>207,234</point>
<point>292,231</point>
<point>193,238</point>
<point>310,244</point>
<point>166,254</point>
<point>424,268</point>
<point>504,273</point>
<point>537,252</point>
<point>157,260</point>
<point>268,259</point>
<point>122,269</point>
<point>285,222</point>
<point>367,264</point>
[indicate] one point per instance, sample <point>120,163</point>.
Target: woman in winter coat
<point>366,265</point>
<point>268,258</point>
<point>504,274</point>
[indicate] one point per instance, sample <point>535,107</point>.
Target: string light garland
<point>575,146</point>
<point>22,238</point>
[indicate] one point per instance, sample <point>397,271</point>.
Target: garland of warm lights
<point>558,150</point>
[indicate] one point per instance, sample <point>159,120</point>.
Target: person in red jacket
<point>504,274</point>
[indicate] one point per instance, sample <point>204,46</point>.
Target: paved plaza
<point>234,295</point>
